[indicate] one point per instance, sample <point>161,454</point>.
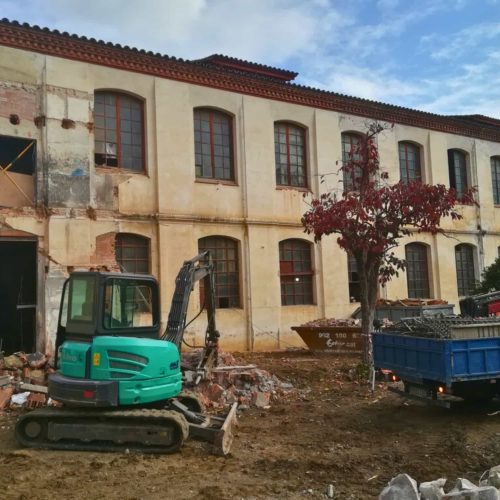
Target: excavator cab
<point>109,352</point>
<point>95,303</point>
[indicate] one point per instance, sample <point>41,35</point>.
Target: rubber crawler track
<point>144,420</point>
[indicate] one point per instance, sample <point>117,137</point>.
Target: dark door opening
<point>17,296</point>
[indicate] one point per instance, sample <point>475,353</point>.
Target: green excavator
<point>119,379</point>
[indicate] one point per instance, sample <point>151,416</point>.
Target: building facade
<point>116,158</point>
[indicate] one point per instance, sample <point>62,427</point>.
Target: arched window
<point>227,282</point>
<point>457,167</point>
<point>495,178</point>
<point>466,275</point>
<point>213,144</point>
<point>119,131</point>
<point>290,155</point>
<point>350,141</point>
<point>132,253</point>
<point>417,271</point>
<point>354,285</point>
<point>409,162</point>
<point>296,274</point>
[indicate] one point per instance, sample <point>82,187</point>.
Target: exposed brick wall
<point>18,101</point>
<point>104,256</point>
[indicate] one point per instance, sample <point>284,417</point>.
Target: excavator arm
<point>199,268</point>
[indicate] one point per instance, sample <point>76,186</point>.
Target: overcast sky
<point>435,55</point>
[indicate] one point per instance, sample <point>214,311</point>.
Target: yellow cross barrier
<point>4,171</point>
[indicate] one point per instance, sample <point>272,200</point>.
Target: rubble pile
<point>233,381</point>
<point>23,380</point>
<point>334,322</point>
<point>404,487</point>
<point>410,302</point>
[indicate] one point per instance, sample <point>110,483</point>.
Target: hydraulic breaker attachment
<point>215,429</point>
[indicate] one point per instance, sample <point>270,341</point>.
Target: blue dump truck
<point>441,360</point>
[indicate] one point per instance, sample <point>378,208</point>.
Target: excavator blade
<point>219,431</point>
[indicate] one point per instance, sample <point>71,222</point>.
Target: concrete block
<point>494,476</point>
<point>432,490</point>
<point>464,484</point>
<point>401,487</point>
<point>481,493</point>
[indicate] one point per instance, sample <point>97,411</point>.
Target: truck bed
<point>443,360</point>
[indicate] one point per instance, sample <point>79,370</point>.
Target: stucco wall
<point>174,210</point>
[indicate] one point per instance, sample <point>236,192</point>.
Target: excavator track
<point>145,430</point>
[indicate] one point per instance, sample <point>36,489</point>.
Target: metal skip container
<point>345,340</point>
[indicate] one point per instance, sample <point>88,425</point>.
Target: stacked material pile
<point>447,327</point>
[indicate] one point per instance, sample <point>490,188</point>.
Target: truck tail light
<point>88,394</point>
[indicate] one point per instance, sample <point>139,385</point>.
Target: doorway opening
<point>18,266</point>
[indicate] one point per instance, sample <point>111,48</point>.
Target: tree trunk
<point>368,289</point>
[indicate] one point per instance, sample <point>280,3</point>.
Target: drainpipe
<point>246,237</point>
<point>42,198</point>
<point>318,267</point>
<point>479,226</point>
<point>156,181</point>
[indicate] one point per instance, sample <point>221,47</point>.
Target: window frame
<point>119,95</point>
<point>495,178</point>
<point>466,282</point>
<point>418,288</point>
<point>277,164</point>
<point>119,246</point>
<point>463,170</point>
<point>354,285</point>
<point>417,150</point>
<point>348,183</point>
<point>299,246</point>
<point>213,112</point>
<point>234,300</point>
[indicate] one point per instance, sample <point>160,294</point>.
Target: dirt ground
<point>331,431</point>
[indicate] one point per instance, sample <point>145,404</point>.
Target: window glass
<point>417,271</point>
<point>127,304</point>
<point>213,145</point>
<point>118,131</point>
<point>82,299</point>
<point>354,284</point>
<point>290,155</point>
<point>495,178</point>
<point>466,276</point>
<point>350,142</point>
<point>224,253</point>
<point>296,275</point>
<point>409,162</point>
<point>132,253</point>
<point>458,172</point>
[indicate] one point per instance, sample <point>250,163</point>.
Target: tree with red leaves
<point>373,216</point>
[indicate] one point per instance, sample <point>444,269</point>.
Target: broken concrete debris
<point>234,382</point>
<point>23,381</point>
<point>403,487</point>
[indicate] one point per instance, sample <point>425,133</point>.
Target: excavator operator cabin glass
<point>127,304</point>
<point>82,299</point>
